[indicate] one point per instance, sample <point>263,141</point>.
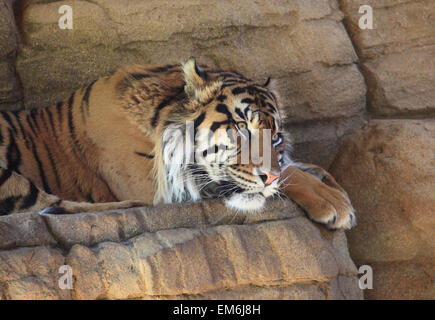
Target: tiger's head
<point>230,145</point>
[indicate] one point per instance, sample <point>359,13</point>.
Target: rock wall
<point>397,56</point>
<point>337,82</point>
<point>388,169</point>
<point>196,251</point>
<point>388,166</point>
<point>11,96</point>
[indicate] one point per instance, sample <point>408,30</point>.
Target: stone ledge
<point>189,251</point>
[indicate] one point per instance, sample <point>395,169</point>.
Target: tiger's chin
<point>246,202</point>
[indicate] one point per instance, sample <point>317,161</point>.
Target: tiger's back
<point>79,147</point>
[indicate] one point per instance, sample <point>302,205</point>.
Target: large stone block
<point>398,25</point>
<point>388,170</point>
<point>397,55</point>
<point>402,83</point>
<point>31,273</point>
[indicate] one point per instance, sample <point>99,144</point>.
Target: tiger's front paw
<point>331,207</point>
<point>321,197</point>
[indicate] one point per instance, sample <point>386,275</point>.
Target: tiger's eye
<point>242,125</point>
<point>275,136</point>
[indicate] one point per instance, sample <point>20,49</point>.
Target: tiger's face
<point>238,143</point>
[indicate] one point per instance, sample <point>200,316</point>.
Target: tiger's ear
<point>271,84</point>
<point>195,78</point>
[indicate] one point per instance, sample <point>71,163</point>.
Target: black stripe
<point>42,118</point>
<point>162,69</point>
<point>29,122</point>
<point>33,115</point>
<point>85,102</point>
<point>89,198</point>
<point>240,113</point>
<point>9,121</point>
<point>161,105</point>
<point>23,131</point>
<point>222,108</point>
<point>140,76</point>
<point>50,119</point>
<point>164,104</point>
<point>238,90</point>
<point>50,116</point>
<point>221,97</point>
<point>146,155</point>
<point>53,164</point>
<point>8,205</point>
<point>227,85</point>
<point>247,100</point>
<point>245,112</point>
<point>213,149</point>
<point>41,169</point>
<point>59,109</point>
<point>6,174</point>
<point>216,125</point>
<point>13,154</point>
<point>70,119</point>
<point>271,107</point>
<point>77,147</point>
<point>30,199</point>
<point>198,121</point>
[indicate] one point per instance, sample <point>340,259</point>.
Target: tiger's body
<point>112,145</point>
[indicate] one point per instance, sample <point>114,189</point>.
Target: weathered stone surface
<point>323,93</point>
<point>291,292</point>
<point>24,230</point>
<point>403,280</point>
<point>92,228</point>
<point>308,37</point>
<point>10,95</point>
<point>398,55</point>
<point>186,252</point>
<point>31,273</point>
<point>388,170</point>
<point>318,141</point>
<point>402,83</point>
<point>8,33</point>
<point>398,25</point>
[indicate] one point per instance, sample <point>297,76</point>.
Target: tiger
<point>120,142</point>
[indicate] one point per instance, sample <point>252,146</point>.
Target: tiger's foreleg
<point>18,194</point>
<point>317,192</point>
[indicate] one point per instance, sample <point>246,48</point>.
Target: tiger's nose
<point>268,177</point>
